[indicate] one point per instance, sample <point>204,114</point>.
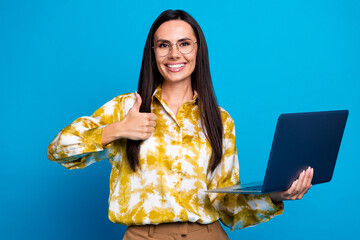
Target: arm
<point>297,190</point>
<point>88,139</point>
<point>80,144</point>
<point>135,126</point>
<point>237,210</point>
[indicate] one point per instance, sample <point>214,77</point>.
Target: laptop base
<point>249,188</point>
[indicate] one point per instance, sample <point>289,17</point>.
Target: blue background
<point>60,60</point>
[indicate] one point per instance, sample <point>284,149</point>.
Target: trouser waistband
<point>181,228</point>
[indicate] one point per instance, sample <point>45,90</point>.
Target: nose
<point>174,52</point>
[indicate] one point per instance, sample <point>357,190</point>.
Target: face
<point>175,66</point>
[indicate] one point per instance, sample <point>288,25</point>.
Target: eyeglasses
<point>163,47</point>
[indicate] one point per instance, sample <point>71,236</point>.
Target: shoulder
<point>126,97</point>
<point>225,117</point>
<point>228,123</point>
<point>126,101</point>
<point>120,101</point>
<point>117,105</point>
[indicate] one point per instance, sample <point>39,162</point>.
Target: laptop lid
<point>302,140</point>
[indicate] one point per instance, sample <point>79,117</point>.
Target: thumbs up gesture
<point>136,107</point>
<point>137,125</point>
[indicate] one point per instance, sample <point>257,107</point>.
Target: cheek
<point>157,61</point>
<point>193,56</point>
<point>192,60</point>
<point>158,64</point>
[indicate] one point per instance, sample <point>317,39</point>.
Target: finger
<point>146,136</point>
<point>149,116</point>
<point>298,186</point>
<point>138,102</point>
<point>146,122</point>
<point>150,129</point>
<point>305,186</point>
<point>152,124</point>
<point>152,116</point>
<point>309,178</point>
<point>291,190</point>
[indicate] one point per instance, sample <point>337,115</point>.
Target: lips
<point>175,67</point>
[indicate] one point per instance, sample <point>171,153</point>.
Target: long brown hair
<point>150,78</point>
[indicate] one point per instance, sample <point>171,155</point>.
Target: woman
<point>168,144</point>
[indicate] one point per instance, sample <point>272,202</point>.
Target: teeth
<point>175,65</point>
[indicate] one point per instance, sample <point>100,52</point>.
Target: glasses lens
<point>185,46</point>
<point>162,48</point>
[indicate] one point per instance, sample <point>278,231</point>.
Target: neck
<point>177,93</point>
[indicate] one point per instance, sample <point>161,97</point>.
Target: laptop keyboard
<point>251,188</point>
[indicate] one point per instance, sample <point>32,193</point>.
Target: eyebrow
<point>181,39</point>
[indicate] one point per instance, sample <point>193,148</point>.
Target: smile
<point>175,67</point>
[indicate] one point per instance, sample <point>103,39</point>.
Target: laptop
<point>300,140</point>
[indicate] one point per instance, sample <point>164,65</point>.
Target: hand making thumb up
<point>136,106</point>
<point>137,125</point>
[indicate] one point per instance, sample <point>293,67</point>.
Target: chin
<point>176,79</point>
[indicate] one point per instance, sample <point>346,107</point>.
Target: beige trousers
<point>176,231</point>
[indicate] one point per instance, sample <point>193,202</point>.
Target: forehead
<point>174,30</point>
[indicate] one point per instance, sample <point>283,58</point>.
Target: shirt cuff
<point>92,139</point>
<point>276,208</point>
<point>261,209</point>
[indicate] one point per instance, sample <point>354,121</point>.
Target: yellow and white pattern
<point>170,185</point>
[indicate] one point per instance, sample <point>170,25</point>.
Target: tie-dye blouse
<point>171,184</point>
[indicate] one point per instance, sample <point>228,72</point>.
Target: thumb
<point>137,102</point>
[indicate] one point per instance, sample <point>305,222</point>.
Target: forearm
<point>112,132</point>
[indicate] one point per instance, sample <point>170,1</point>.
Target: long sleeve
<point>237,210</point>
<point>79,144</point>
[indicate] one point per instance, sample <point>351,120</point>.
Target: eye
<point>163,45</point>
<point>184,43</point>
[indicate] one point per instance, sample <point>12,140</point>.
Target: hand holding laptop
<point>298,188</point>
<point>300,140</point>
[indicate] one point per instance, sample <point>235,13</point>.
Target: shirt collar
<point>157,94</point>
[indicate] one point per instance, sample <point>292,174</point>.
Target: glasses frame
<point>171,48</point>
